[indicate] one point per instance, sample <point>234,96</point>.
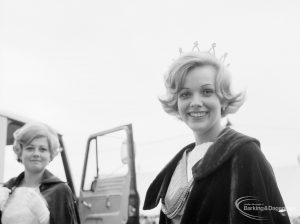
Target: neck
<point>32,179</point>
<point>208,136</point>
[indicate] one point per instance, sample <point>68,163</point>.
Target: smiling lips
<point>197,114</point>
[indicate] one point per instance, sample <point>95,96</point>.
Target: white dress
<point>25,206</point>
<point>182,182</point>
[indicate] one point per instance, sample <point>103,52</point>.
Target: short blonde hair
<point>179,69</point>
<point>30,131</point>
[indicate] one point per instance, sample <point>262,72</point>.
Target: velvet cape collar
<point>224,148</point>
<point>47,178</point>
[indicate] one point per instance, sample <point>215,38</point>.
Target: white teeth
<point>197,114</point>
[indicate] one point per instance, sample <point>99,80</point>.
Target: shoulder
<point>10,183</point>
<point>53,187</point>
<point>237,143</point>
<point>15,181</point>
<point>250,150</point>
<point>52,183</point>
<point>235,138</point>
<point>57,188</point>
<point>64,188</point>
<point>242,148</point>
<point>242,145</point>
<point>58,196</point>
<point>250,157</point>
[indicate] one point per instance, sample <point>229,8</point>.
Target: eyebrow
<point>39,145</point>
<point>208,84</point>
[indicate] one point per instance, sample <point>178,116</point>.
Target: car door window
<point>107,158</point>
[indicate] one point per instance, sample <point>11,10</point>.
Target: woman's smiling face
<point>36,155</point>
<point>198,105</point>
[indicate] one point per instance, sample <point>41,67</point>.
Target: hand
<point>4,195</point>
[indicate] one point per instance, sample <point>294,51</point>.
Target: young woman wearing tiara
<point>223,177</point>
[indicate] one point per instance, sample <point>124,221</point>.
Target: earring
<point>223,108</point>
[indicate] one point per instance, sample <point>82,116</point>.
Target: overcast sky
<point>85,66</point>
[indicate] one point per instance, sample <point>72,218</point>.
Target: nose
<point>36,152</point>
<point>196,101</point>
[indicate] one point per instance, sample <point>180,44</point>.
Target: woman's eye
<point>43,149</point>
<point>208,92</point>
<point>184,94</point>
<point>29,148</point>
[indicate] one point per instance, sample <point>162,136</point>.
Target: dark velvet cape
<point>233,167</point>
<point>60,199</point>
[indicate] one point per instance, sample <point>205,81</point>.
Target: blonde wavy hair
<point>179,69</point>
<point>30,131</point>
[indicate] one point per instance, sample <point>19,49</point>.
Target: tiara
<point>212,51</point>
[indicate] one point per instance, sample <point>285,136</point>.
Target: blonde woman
<point>36,196</point>
<point>214,178</point>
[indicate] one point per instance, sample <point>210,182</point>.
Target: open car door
<point>108,191</point>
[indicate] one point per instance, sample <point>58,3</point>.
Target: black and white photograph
<point>149,112</point>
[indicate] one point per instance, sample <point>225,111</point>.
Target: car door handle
<point>107,202</point>
<point>87,204</point>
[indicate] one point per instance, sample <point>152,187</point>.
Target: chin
<point>35,169</point>
<point>198,127</point>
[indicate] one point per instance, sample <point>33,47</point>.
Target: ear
<point>224,106</point>
<point>177,115</point>
<point>18,150</point>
